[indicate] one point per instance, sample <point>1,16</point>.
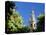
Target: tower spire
<point>33,21</point>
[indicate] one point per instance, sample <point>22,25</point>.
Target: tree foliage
<point>14,21</point>
<point>41,23</point>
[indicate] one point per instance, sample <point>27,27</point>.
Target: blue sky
<point>25,9</point>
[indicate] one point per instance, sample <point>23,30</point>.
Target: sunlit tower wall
<point>33,21</point>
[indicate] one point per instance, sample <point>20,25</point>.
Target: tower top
<point>33,15</point>
<point>32,10</point>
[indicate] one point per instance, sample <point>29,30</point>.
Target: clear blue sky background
<point>25,9</point>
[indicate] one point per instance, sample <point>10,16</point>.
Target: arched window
<point>34,25</point>
<point>31,25</point>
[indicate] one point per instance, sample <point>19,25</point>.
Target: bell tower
<point>33,21</point>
